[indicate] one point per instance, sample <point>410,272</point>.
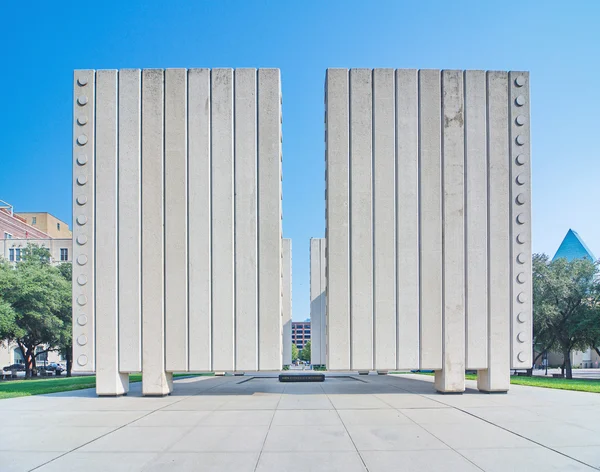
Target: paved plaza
<point>348,423</point>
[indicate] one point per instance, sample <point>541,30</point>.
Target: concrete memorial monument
<point>428,223</point>
<point>177,215</point>
<point>318,286</point>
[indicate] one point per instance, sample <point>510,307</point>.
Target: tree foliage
<point>305,352</point>
<point>566,313</point>
<point>294,352</point>
<point>35,304</point>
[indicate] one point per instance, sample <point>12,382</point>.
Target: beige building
<point>61,250</point>
<point>11,354</point>
<point>47,223</point>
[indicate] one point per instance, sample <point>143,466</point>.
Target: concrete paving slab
<point>310,462</point>
<point>522,460</point>
<point>101,461</point>
<point>25,462</point>
<point>476,436</point>
<point>586,454</point>
<point>402,437</point>
<point>315,438</point>
<point>206,462</point>
<point>138,439</point>
<point>373,417</point>
<point>222,439</point>
<point>306,418</point>
<point>416,461</point>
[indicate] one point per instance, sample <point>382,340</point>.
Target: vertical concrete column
<point>322,341</point>
<point>452,376</point>
<point>155,379</point>
<point>199,220</point>
<point>222,220</point>
<point>430,223</point>
<point>176,223</point>
<point>316,294</point>
<point>384,219</point>
<point>520,158</point>
<point>129,235</point>
<point>108,379</point>
<point>361,219</point>
<point>246,237</point>
<point>337,218</point>
<point>476,225</point>
<point>84,162</point>
<point>496,378</point>
<point>287,301</point>
<point>407,217</point>
<point>269,222</point>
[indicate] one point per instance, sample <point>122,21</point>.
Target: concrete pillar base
<point>450,381</point>
<point>112,385</point>
<point>493,380</point>
<point>157,387</point>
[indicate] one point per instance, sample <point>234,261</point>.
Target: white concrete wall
<point>428,223</point>
<point>190,279</point>
<point>318,290</point>
<point>287,301</point>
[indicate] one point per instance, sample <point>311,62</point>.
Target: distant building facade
<point>47,223</point>
<point>300,333</point>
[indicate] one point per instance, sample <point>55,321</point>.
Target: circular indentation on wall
<point>82,180</point>
<point>520,159</point>
<point>522,337</point>
<point>520,81</point>
<point>83,80</point>
<point>521,258</point>
<point>81,300</point>
<point>82,279</point>
<point>82,340</point>
<point>521,297</point>
<point>521,179</point>
<point>82,100</point>
<point>82,259</point>
<point>520,140</point>
<point>81,200</point>
<point>521,356</point>
<point>521,238</point>
<point>81,220</point>
<point>82,159</point>
<point>520,100</point>
<point>521,278</point>
<point>81,239</point>
<point>82,320</point>
<point>82,140</point>
<point>521,218</point>
<point>82,360</point>
<point>82,120</point>
<point>520,198</point>
<point>520,120</point>
<point>521,317</point>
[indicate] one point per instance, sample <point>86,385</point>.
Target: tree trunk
<point>568,368</point>
<point>69,355</point>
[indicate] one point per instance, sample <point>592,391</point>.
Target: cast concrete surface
<point>374,423</point>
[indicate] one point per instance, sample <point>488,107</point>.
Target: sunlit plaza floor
<point>347,423</point>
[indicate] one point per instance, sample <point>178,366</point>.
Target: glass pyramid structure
<point>573,247</point>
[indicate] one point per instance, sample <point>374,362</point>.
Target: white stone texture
<point>407,217</point>
<point>130,220</point>
<point>337,216</point>
<point>476,219</point>
<point>108,379</point>
<point>384,220</point>
<point>287,301</point>
<point>318,287</point>
<point>361,219</point>
<point>223,293</point>
<point>521,272</point>
<point>497,375</point>
<point>246,252</point>
<point>84,309</point>
<point>199,227</point>
<point>269,224</point>
<point>452,376</point>
<point>155,380</point>
<point>176,223</point>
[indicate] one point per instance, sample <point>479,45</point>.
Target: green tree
<point>565,304</point>
<point>40,302</point>
<point>294,352</point>
<point>305,353</point>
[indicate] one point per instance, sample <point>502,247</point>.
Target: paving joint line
<point>269,428</point>
<point>116,429</point>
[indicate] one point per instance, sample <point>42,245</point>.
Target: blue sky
<point>559,42</point>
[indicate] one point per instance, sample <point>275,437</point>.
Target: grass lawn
<point>579,385</point>
<point>38,386</point>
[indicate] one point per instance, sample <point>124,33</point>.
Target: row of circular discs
<point>520,199</point>
<point>81,200</point>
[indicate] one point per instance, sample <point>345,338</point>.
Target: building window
<point>7,235</point>
<point>33,220</point>
<point>17,254</point>
<point>64,254</point>
<point>43,356</point>
<point>58,226</point>
<point>11,255</point>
